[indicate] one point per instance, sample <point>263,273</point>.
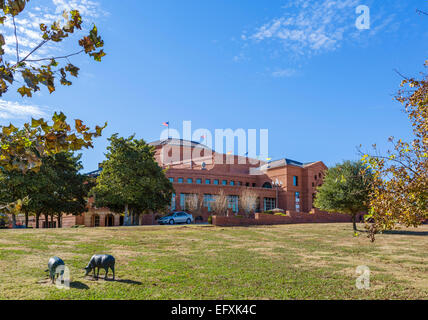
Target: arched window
<point>109,220</point>
<point>95,220</point>
<point>267,185</point>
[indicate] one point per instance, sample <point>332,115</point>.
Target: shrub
<point>210,219</point>
<point>280,214</point>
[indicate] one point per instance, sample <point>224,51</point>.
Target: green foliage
<point>44,71</point>
<point>345,189</point>
<point>400,191</point>
<point>210,219</point>
<point>23,148</point>
<point>131,178</point>
<point>280,214</point>
<point>56,188</point>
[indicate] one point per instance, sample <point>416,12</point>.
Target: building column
<point>117,220</point>
<point>102,219</point>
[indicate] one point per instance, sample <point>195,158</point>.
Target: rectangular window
<point>198,181</point>
<point>180,180</point>
<point>173,202</point>
<point>208,200</point>
<point>239,183</point>
<point>233,203</point>
<point>232,183</point>
<point>171,180</point>
<point>295,181</point>
<point>254,185</point>
<point>224,182</point>
<point>189,180</point>
<point>216,181</point>
<point>269,204</point>
<point>183,198</point>
<point>297,201</point>
<point>207,181</point>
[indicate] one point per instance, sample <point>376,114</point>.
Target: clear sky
<point>300,69</point>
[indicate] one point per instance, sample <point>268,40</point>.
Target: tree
<point>43,71</point>
<point>131,180</point>
<point>55,189</point>
<point>400,189</point>
<point>220,204</point>
<point>194,203</point>
<point>346,189</point>
<point>71,189</point>
<point>248,201</point>
<point>23,148</point>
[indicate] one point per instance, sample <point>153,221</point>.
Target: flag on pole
<point>166,124</point>
<point>268,159</point>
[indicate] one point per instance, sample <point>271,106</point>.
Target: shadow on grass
<point>116,280</point>
<point>138,283</point>
<point>406,233</point>
<point>78,285</point>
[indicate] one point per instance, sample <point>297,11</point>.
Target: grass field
<point>311,261</point>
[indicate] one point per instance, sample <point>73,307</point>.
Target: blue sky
<point>300,69</point>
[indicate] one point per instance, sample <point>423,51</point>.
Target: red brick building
<point>196,169</point>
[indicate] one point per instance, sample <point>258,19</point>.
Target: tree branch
<point>421,12</point>
<point>400,74</point>
<point>31,52</point>
<point>16,40</point>
<point>55,58</point>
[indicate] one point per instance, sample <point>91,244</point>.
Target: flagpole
<point>168,129</point>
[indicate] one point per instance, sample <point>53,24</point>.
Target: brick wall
<point>291,217</point>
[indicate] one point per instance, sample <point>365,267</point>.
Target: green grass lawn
<point>310,261</point>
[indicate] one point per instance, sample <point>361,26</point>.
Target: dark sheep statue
<point>104,261</point>
<point>53,264</point>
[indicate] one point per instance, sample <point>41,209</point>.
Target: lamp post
<point>277,184</point>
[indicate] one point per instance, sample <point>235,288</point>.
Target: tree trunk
<point>26,219</point>
<point>59,221</point>
<point>354,222</point>
<point>13,220</point>
<point>37,220</point>
<point>52,221</point>
<point>126,218</point>
<point>46,220</point>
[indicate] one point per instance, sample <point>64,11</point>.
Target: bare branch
<point>421,12</point>
<point>31,52</point>
<point>400,74</point>
<point>56,58</point>
<point>16,40</point>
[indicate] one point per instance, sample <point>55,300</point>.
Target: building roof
<point>281,163</point>
<point>94,174</point>
<point>178,142</point>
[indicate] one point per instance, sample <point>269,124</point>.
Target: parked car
<point>176,217</point>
